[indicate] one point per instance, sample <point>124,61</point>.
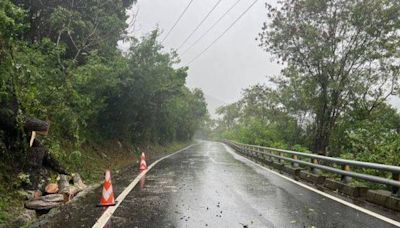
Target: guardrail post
<point>259,156</point>
<point>280,161</point>
<point>295,164</point>
<point>262,157</point>
<point>250,152</point>
<point>395,190</point>
<point>254,153</point>
<point>273,159</point>
<point>346,179</point>
<point>315,170</point>
<point>267,157</point>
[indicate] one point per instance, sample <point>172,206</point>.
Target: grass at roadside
<point>115,155</point>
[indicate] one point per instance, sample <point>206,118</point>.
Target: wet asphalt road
<point>207,186</point>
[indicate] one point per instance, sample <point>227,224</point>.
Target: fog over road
<point>209,186</point>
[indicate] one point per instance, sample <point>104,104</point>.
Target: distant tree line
<point>341,63</point>
<point>60,62</point>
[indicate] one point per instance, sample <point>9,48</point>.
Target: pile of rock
<point>56,194</point>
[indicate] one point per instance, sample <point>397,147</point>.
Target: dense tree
<point>60,63</point>
<point>150,102</point>
<point>83,26</point>
<point>368,135</point>
<point>11,26</point>
<point>341,64</point>
<point>338,53</point>
<point>260,118</point>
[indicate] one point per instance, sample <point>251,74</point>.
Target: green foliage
<point>337,54</point>
<point>258,118</point>
<point>373,137</point>
<point>75,158</point>
<point>340,68</point>
<point>161,109</point>
<point>11,18</point>
<point>60,63</point>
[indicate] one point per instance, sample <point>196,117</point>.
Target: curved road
<point>208,185</point>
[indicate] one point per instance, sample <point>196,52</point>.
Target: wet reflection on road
<point>109,222</point>
<point>206,186</point>
<point>142,181</point>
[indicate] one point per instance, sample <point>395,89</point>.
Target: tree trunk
<point>321,141</point>
<point>35,162</point>
<point>323,119</point>
<point>66,189</point>
<point>51,162</point>
<point>36,125</point>
<point>38,158</point>
<point>12,137</point>
<point>41,205</point>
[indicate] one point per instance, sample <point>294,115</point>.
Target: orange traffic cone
<point>107,198</point>
<point>143,165</point>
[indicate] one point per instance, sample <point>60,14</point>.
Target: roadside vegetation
<point>341,68</point>
<point>60,63</point>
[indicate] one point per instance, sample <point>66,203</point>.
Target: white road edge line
<point>102,221</point>
<point>366,211</point>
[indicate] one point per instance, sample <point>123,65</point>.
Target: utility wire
<point>201,22</point>
<point>223,33</point>
<point>132,23</point>
<point>176,22</point>
<point>210,28</point>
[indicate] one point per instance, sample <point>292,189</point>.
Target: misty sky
<point>233,63</point>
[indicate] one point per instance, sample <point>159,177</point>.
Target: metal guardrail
<point>319,162</point>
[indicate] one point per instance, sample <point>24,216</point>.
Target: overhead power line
<point>223,33</point>
<point>211,27</point>
<point>177,21</point>
<point>201,22</point>
<point>132,23</point>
